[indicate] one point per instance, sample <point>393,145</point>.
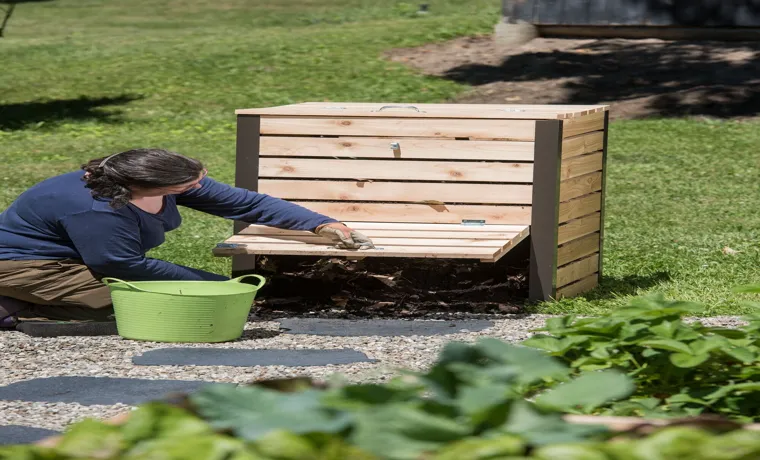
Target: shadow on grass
<point>612,287</point>
<point>25,114</point>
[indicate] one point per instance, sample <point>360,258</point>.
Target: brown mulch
<point>639,78</point>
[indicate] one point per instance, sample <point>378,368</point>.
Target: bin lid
<point>410,110</point>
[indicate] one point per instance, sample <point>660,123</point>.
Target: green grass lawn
<point>169,73</point>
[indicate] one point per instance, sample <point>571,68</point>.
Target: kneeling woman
<point>59,238</point>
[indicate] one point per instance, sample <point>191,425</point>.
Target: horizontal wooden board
<point>581,165</point>
<point>411,148</point>
<point>329,251</point>
<point>420,213</point>
<point>584,124</point>
<point>458,227</point>
<point>580,207</point>
<point>578,227</point>
<point>577,249</point>
<point>317,168</point>
<point>378,241</point>
<point>414,192</point>
<point>586,284</point>
<point>486,111</point>
<point>577,270</point>
<point>579,186</point>
<point>435,234</point>
<point>519,130</point>
<point>580,145</point>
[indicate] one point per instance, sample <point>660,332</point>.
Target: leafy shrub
<point>680,368</point>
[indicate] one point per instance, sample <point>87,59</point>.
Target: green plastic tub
<point>182,311</point>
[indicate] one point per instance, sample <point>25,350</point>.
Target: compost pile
<point>401,288</point>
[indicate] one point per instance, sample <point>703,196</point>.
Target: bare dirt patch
<point>642,78</point>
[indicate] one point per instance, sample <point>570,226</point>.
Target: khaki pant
<point>59,289</point>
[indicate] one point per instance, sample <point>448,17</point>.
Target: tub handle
<point>117,280</point>
<point>261,279</point>
<point>399,107</point>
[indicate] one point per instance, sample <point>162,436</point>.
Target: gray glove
<point>354,240</point>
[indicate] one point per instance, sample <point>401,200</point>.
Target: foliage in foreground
<point>679,367</point>
<point>469,406</point>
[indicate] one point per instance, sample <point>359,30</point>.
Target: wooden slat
<point>328,251</point>
<point>397,191</point>
<point>580,145</point>
<point>367,147</point>
<point>483,111</point>
<point>586,284</point>
<point>395,170</point>
<point>578,227</point>
<point>580,207</point>
<point>581,165</point>
<point>436,227</point>
<point>579,186</point>
<point>584,124</point>
<point>421,213</point>
<point>578,249</point>
<point>378,241</point>
<point>577,270</point>
<point>436,234</point>
<point>519,130</point>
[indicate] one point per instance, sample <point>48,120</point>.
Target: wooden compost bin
<point>457,181</point>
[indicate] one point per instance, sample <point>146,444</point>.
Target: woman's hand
<point>344,237</point>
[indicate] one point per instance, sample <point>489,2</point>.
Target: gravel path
<point>26,357</point>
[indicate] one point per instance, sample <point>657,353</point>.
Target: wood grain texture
<point>435,234</point>
<point>420,213</point>
<point>411,148</point>
<point>578,227</point>
<point>458,227</point>
<point>578,166</point>
<point>580,125</point>
<point>582,144</point>
<point>317,168</point>
<point>577,270</point>
<point>580,207</point>
<point>466,111</point>
<point>578,249</point>
<point>586,284</point>
<point>413,192</point>
<point>518,130</point>
<point>378,240</point>
<point>579,186</point>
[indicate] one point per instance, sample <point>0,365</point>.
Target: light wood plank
<point>580,145</point>
<point>486,111</point>
<point>397,191</point>
<point>578,227</point>
<point>411,148</point>
<point>329,251</point>
<point>395,170</point>
<point>581,165</point>
<point>378,241</point>
<point>584,124</point>
<point>436,234</point>
<point>577,270</point>
<point>579,186</point>
<point>586,284</point>
<point>420,213</point>
<point>518,130</point>
<point>578,249</point>
<point>580,207</point>
<point>436,227</point>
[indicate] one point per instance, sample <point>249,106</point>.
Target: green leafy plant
<point>680,367</point>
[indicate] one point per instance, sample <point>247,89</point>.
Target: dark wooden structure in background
<point>719,19</point>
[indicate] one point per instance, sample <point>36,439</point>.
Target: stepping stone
<point>66,328</point>
<point>18,434</point>
<point>246,358</point>
<point>379,327</point>
<point>95,390</point>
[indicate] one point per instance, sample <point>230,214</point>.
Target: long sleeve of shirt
<point>109,244</point>
<point>239,204</point>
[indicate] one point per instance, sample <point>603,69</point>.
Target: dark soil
<point>390,287</point>
<point>638,78</point>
